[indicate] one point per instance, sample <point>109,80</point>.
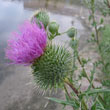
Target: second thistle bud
<point>42,16</point>
<point>71,32</point>
<point>53,27</point>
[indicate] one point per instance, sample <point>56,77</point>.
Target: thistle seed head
<point>52,67</point>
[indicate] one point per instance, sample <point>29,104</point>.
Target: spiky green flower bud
<point>71,32</point>
<point>42,16</point>
<point>52,67</point>
<point>53,27</point>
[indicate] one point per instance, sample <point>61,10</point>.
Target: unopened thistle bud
<point>71,32</point>
<point>42,16</point>
<point>53,27</point>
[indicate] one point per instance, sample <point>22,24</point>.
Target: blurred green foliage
<point>105,54</point>
<point>105,49</point>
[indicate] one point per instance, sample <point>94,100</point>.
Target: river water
<point>15,91</point>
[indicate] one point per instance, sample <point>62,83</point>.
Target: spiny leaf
<point>71,103</point>
<point>95,91</point>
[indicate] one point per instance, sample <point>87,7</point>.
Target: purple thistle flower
<point>27,45</point>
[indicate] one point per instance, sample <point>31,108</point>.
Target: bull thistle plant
<point>54,66</point>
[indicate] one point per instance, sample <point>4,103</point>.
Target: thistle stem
<point>84,70</point>
<point>101,99</point>
<point>71,86</point>
<point>85,106</point>
<point>75,91</point>
<point>97,41</point>
<point>96,30</point>
<point>62,33</point>
<point>108,3</point>
<point>67,93</point>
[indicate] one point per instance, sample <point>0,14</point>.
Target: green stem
<point>84,105</point>
<point>62,33</point>
<point>67,93</point>
<point>71,86</point>
<point>97,39</point>
<point>96,30</point>
<point>75,91</point>
<point>108,3</point>
<point>84,69</point>
<point>101,99</point>
<point>100,104</point>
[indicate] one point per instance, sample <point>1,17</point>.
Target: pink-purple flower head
<point>27,45</point>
